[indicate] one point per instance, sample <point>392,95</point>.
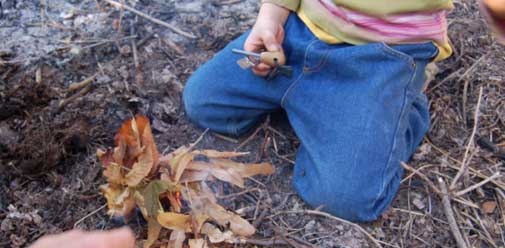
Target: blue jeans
<point>358,111</point>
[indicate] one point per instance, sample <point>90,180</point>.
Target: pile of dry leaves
<point>171,190</point>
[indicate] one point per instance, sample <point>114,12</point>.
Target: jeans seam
<point>301,74</point>
<point>391,51</point>
<point>397,128</point>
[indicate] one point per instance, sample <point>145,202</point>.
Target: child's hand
<point>497,7</point>
<point>267,33</point>
<point>119,238</point>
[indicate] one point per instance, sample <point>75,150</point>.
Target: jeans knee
<point>193,102</point>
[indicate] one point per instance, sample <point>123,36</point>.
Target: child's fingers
<point>261,69</point>
<point>122,237</point>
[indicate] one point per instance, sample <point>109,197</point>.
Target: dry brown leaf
<point>119,201</point>
<point>195,176</point>
<point>488,207</point>
<point>147,140</point>
<point>176,239</point>
<point>153,232</point>
<point>240,226</point>
<point>228,175</point>
<point>140,169</point>
<point>223,217</point>
<point>127,144</point>
<point>215,235</point>
<point>197,222</point>
<point>113,173</point>
<point>245,170</point>
<point>174,221</point>
<point>197,243</point>
<point>218,154</point>
<point>179,164</point>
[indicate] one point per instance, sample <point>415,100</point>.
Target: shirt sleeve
<point>288,4</point>
<point>497,24</point>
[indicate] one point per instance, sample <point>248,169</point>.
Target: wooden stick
<point>72,98</point>
<point>77,86</point>
<point>464,163</point>
<point>268,242</point>
<point>473,187</point>
<point>150,18</point>
<point>446,201</point>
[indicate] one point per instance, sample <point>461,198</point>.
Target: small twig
<point>77,86</point>
<point>134,46</point>
<point>232,140</point>
<point>262,242</point>
<point>150,18</point>
<point>473,187</point>
<point>38,75</point>
<point>464,163</point>
<point>422,176</point>
<point>260,218</point>
<point>451,76</point>
<point>329,216</point>
<point>253,135</point>
<point>450,215</point>
<point>89,215</point>
<point>197,140</point>
<point>72,98</point>
<point>145,39</point>
<point>173,46</point>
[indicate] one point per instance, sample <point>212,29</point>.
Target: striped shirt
<point>390,21</point>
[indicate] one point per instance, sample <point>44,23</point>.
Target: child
<point>355,99</point>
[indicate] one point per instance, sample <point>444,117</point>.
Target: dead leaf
<point>197,243</point>
<point>488,207</point>
<point>151,195</point>
<point>179,164</point>
<point>215,235</point>
<point>223,217</point>
<point>119,201</point>
<point>113,173</point>
<point>174,221</point>
<point>245,170</point>
<point>176,239</point>
<point>153,232</point>
<point>228,175</point>
<point>195,176</point>
<point>218,154</point>
<point>140,169</point>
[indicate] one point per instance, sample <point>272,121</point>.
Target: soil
<point>50,175</point>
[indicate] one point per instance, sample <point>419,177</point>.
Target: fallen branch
<point>150,18</point>
<point>446,201</point>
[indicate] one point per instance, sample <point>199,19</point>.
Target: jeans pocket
<point>395,53</point>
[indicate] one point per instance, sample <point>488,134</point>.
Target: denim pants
<point>358,111</point>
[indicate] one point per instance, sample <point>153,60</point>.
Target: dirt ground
<point>49,174</point>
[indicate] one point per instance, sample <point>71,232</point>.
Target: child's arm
<point>267,33</point>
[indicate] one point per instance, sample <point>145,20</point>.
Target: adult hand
<point>119,238</point>
<point>267,33</point>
